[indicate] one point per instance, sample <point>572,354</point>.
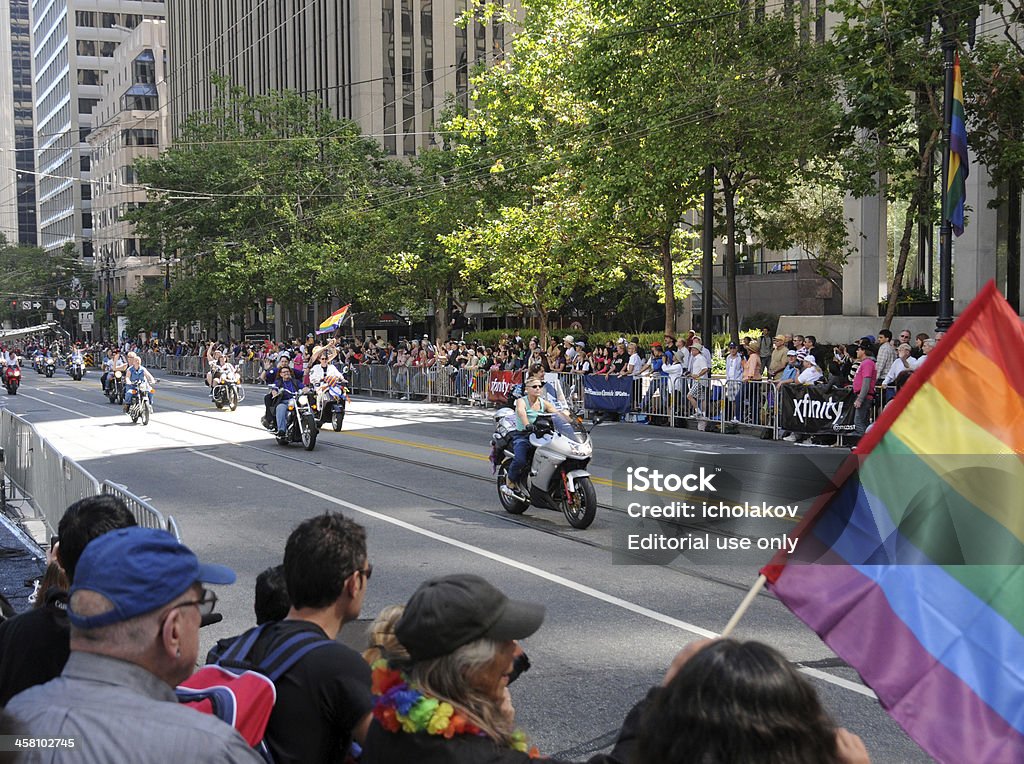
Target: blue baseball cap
<point>139,570</point>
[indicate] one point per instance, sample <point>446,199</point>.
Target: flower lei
<point>401,707</point>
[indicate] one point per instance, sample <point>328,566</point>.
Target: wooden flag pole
<point>754,591</point>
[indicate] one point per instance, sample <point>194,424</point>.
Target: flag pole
<point>745,605</point>
<point>945,317</point>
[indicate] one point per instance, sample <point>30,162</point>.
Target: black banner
<point>809,410</point>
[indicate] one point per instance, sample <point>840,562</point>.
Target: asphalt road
<point>417,476</point>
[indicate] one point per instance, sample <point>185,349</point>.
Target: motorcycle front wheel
<point>337,417</point>
<point>232,400</point>
<point>309,430</point>
<point>509,503</point>
<point>145,413</point>
<point>580,508</point>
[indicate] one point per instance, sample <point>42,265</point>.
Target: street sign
<point>60,304</point>
<point>37,305</point>
<point>26,305</point>
<point>49,317</point>
<point>85,317</point>
<point>85,304</point>
<point>85,326</point>
<point>73,305</point>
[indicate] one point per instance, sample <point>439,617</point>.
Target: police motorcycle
<point>227,387</point>
<point>141,407</point>
<point>329,405</point>
<point>38,361</point>
<point>301,424</point>
<point>49,366</point>
<point>12,378</point>
<point>75,368</point>
<point>556,475</point>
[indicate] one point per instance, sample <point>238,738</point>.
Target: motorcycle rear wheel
<point>510,504</point>
<point>582,508</point>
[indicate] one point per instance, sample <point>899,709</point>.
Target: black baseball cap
<point>448,612</point>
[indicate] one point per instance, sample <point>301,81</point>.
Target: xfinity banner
<point>809,410</point>
<point>602,393</point>
<point>500,383</point>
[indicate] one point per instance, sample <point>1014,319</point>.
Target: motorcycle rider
<point>214,357</point>
<point>114,362</point>
<point>136,374</point>
<point>527,410</point>
<point>270,376</point>
<point>284,388</point>
<point>324,374</point>
<point>77,356</point>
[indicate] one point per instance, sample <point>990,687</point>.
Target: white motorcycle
<point>140,407</point>
<point>227,388</point>
<point>556,475</point>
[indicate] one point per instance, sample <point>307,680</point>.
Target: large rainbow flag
<point>334,320</point>
<point>911,569</point>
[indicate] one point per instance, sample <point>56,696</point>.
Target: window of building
<point>108,48</point>
<point>139,137</point>
<point>84,163</point>
<point>90,77</point>
<point>86,105</point>
<point>108,20</point>
<point>144,68</point>
<point>85,18</point>
<point>86,219</point>
<point>85,47</point>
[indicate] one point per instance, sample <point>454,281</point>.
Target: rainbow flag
<point>956,183</point>
<point>911,568</point>
<point>334,320</point>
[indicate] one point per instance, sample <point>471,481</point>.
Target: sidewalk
<point>20,561</point>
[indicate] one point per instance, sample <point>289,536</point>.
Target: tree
<point>31,275</point>
<point>268,196</point>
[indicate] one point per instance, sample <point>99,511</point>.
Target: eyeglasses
<point>540,385</point>
<point>206,603</point>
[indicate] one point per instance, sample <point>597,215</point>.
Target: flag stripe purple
<point>854,617</point>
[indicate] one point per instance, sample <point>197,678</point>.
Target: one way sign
<point>37,305</point>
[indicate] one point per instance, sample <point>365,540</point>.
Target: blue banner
<point>602,393</point>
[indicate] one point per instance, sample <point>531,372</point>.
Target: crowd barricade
<point>153,360</point>
<point>187,365</point>
<point>51,481</point>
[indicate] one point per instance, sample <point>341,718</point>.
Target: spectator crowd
<point>104,662</point>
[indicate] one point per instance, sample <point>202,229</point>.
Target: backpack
<point>242,693</point>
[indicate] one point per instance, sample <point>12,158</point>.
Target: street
<point>418,477</point>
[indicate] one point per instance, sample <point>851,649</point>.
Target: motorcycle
<point>330,407</point>
<point>140,407</point>
<point>75,369</point>
<point>227,388</point>
<point>12,378</point>
<point>115,387</point>
<point>49,366</point>
<point>37,362</point>
<point>301,425</point>
<point>556,475</point>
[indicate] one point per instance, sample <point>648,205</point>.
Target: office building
<point>17,155</point>
<point>73,47</point>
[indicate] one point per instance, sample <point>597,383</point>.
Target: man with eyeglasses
<point>324,700</point>
<point>136,605</point>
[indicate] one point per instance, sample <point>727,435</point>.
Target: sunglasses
<point>538,385</point>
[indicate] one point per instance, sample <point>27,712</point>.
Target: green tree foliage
<point>29,273</point>
<point>268,196</point>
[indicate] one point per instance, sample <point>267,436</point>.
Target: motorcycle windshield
<point>571,428</point>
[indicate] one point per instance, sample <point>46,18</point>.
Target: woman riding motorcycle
<point>136,373</point>
<point>528,408</point>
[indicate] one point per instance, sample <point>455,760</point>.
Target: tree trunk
<point>729,197</point>
<point>668,279</point>
<point>924,178</point>
<point>441,314</point>
<point>541,311</point>
<point>1013,244</point>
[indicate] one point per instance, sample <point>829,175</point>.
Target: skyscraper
<point>17,154</point>
<point>73,44</point>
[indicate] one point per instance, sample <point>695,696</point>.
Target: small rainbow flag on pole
<point>956,184</point>
<point>334,320</point>
<point>911,569</point>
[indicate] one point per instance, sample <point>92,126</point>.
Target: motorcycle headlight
<point>117,375</point>
<point>17,373</point>
<point>303,400</point>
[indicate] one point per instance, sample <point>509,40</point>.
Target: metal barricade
<point>378,378</point>
<point>145,514</point>
<point>51,481</point>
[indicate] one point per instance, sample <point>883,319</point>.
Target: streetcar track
<point>534,522</point>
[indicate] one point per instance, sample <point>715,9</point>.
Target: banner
<point>602,393</point>
<point>809,410</point>
<point>499,383</point>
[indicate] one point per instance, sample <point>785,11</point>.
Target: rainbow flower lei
<point>401,707</point>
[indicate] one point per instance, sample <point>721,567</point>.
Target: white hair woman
<point>449,702</point>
